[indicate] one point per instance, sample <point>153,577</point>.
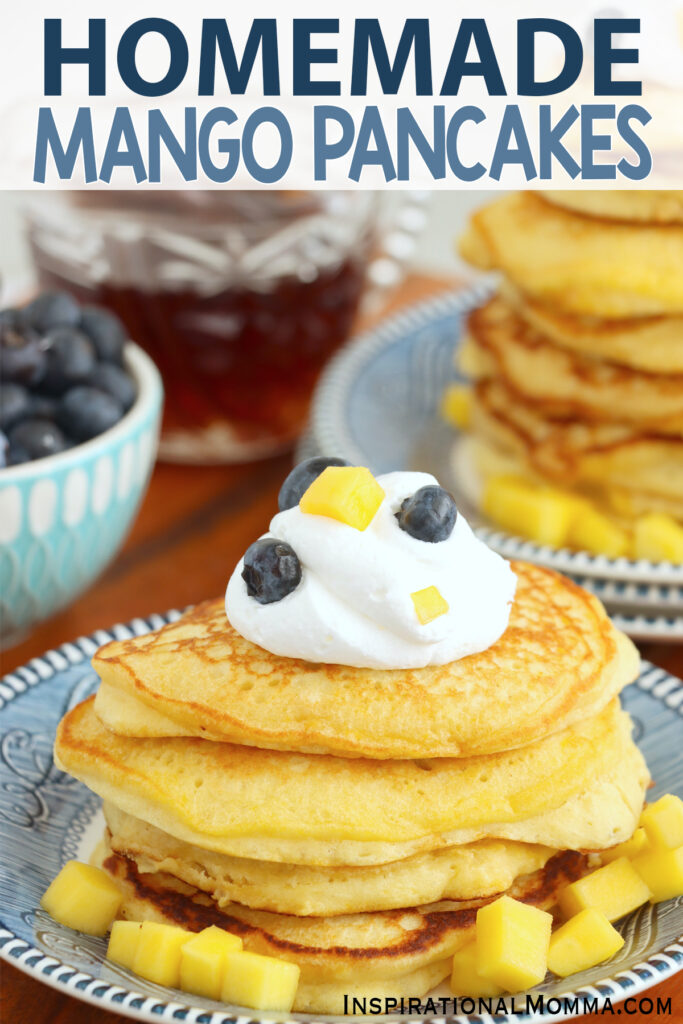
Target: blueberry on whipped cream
<point>371,594</point>
<point>429,514</point>
<point>271,570</point>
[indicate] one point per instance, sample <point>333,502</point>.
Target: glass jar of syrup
<point>239,297</point>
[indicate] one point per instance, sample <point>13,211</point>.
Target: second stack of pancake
<point>577,359</point>
<point>353,820</point>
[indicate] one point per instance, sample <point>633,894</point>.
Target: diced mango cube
<point>662,872</point>
<point>663,822</point>
<point>659,538</point>
<point>629,848</point>
<point>349,494</point>
<point>83,897</point>
<point>157,957</point>
<point>429,604</point>
<point>259,982</point>
<point>541,514</point>
<point>123,942</point>
<point>456,405</point>
<point>202,961</point>
<point>592,531</point>
<point>584,941</point>
<point>512,943</point>
<point>615,890</point>
<point>465,978</point>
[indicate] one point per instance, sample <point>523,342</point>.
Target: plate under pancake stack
<point>353,820</point>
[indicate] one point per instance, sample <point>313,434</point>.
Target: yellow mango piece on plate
<point>584,941</point>
<point>592,531</point>
<point>83,897</point>
<point>512,941</point>
<point>123,942</point>
<point>349,494</point>
<point>157,957</point>
<point>202,961</point>
<point>662,872</point>
<point>629,848</point>
<point>615,890</point>
<point>541,514</point>
<point>659,538</point>
<point>663,822</point>
<point>465,978</point>
<point>429,604</point>
<point>456,405</point>
<point>259,982</point>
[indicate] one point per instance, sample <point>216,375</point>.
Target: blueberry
<point>70,359</point>
<point>301,478</point>
<point>429,514</point>
<point>115,381</point>
<point>106,332</point>
<point>36,437</point>
<point>85,412</point>
<point>42,407</point>
<point>51,309</point>
<point>17,454</point>
<point>271,570</point>
<point>22,356</point>
<point>4,450</point>
<point>15,404</point>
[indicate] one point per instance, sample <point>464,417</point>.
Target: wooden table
<point>193,526</point>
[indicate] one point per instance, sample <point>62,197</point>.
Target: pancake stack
<point>578,358</point>
<point>353,820</point>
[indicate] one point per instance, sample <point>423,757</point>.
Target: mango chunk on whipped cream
<point>512,940</point>
<point>82,897</point>
<point>349,494</point>
<point>429,604</point>
<point>582,942</point>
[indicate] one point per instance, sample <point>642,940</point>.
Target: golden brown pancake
<point>652,344</point>
<point>559,661</point>
<point>559,384</point>
<point>571,452</point>
<point>581,788</point>
<point>653,206</point>
<point>578,264</point>
<point>390,953</point>
<point>456,873</point>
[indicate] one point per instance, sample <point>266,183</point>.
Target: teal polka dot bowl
<point>64,517</point>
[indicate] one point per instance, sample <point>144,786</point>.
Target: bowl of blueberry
<point>80,409</point>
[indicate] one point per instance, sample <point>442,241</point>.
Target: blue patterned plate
<point>47,817</point>
<point>377,405</point>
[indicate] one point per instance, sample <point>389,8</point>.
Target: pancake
<point>564,385</point>
<point>578,264</point>
<point>572,452</point>
<point>559,661</point>
<point>457,873</point>
<point>654,206</point>
<point>652,344</point>
<point>390,953</point>
<point>582,788</point>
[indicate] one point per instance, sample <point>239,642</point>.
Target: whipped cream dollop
<point>353,605</point>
